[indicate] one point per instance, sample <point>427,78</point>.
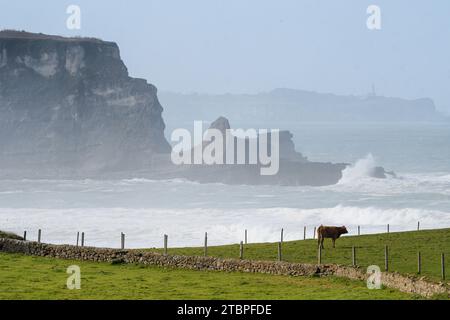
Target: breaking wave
<point>145,227</point>
<point>363,168</point>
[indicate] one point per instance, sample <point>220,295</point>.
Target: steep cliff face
<point>69,105</point>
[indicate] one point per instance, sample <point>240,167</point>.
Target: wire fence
<point>309,233</point>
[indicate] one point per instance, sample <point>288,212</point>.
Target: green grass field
<point>25,277</point>
<point>403,248</point>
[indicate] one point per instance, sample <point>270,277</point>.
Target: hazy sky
<point>239,46</point>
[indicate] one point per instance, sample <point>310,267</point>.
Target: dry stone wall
<point>393,280</point>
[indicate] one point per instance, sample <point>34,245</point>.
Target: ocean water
<point>145,210</point>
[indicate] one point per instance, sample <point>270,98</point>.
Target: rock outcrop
<point>68,107</point>
<point>294,168</point>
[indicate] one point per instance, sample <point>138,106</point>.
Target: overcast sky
<point>238,46</point>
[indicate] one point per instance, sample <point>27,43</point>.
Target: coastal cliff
<point>70,110</point>
<point>69,107</point>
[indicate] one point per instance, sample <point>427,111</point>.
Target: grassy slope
<point>8,235</point>
<point>24,277</point>
<point>370,251</point>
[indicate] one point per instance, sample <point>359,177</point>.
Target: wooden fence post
<point>166,241</point>
<point>353,256</point>
<point>82,239</point>
<point>319,255</point>
<point>39,235</point>
<point>386,258</point>
<point>25,235</point>
<point>78,238</point>
<point>304,233</point>
<point>314,234</point>
<point>280,257</point>
<point>419,263</point>
<point>388,228</point>
<point>359,230</point>
<point>246,236</point>
<point>206,244</point>
<point>122,240</point>
<point>418,226</point>
<point>443,266</point>
<point>282,234</point>
<point>241,250</point>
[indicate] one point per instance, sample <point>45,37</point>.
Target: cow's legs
<point>334,243</point>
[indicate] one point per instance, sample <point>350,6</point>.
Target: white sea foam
<point>146,209</point>
<point>145,227</point>
<point>437,183</point>
<point>358,178</point>
<point>363,168</point>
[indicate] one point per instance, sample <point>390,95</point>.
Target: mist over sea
<point>145,210</point>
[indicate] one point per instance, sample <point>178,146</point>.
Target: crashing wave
<point>365,168</point>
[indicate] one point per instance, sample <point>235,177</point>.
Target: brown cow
<point>330,232</point>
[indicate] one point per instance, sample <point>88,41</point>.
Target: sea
<point>145,210</point>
